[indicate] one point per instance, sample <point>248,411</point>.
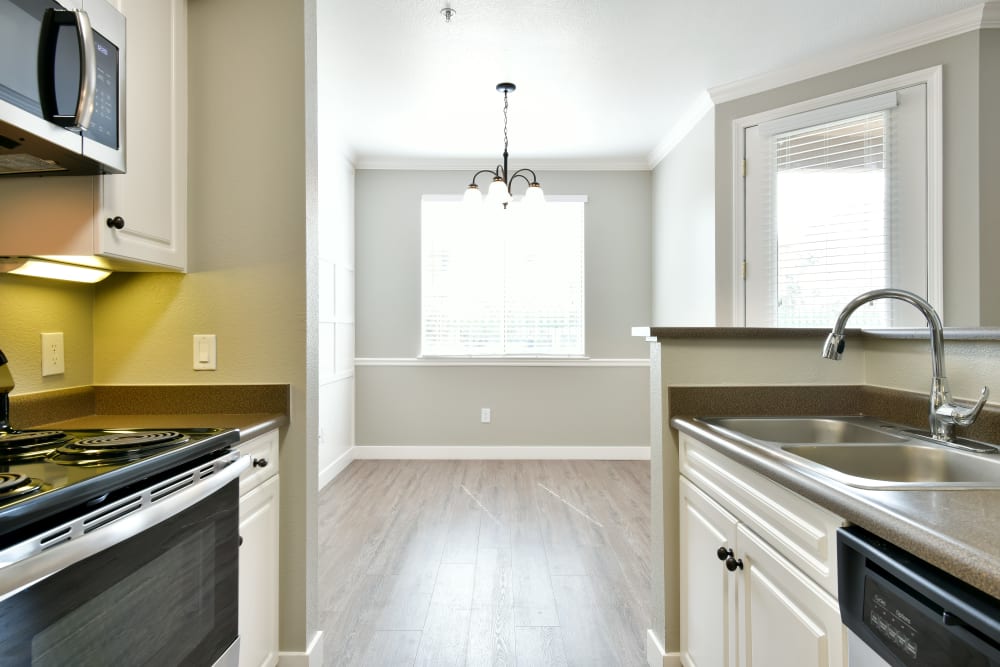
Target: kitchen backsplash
<point>29,307</point>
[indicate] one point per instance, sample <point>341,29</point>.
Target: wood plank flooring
<point>485,563</point>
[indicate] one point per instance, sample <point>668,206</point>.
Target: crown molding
<point>986,15</point>
<point>691,117</point>
<point>991,16</point>
<point>475,164</point>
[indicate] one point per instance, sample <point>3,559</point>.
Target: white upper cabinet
<point>150,199</point>
<point>135,221</point>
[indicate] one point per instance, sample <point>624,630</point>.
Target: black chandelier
<point>500,189</point>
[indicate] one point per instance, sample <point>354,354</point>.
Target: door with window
<point>836,205</point>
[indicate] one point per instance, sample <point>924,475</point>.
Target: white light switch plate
<point>204,352</point>
<point>53,354</point>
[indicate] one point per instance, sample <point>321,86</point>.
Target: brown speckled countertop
<point>253,409</point>
<point>950,333</point>
<point>956,530</point>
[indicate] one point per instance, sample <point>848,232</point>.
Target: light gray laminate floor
<point>485,563</point>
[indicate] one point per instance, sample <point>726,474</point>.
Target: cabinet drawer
<point>799,529</point>
<point>264,450</point>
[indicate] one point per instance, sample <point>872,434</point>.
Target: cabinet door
<point>151,197</point>
<point>258,624</point>
<point>708,590</point>
<point>786,619</point>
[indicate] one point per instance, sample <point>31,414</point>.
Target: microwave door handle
<point>47,42</point>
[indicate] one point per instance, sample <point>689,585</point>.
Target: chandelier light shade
<point>500,188</point>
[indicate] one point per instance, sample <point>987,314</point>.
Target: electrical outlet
<point>53,355</point>
<point>485,415</point>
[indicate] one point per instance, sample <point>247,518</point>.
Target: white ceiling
<point>599,82</point>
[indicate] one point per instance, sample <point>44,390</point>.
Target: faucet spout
<point>943,413</point>
<point>833,348</point>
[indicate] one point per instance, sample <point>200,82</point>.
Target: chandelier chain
<point>505,103</point>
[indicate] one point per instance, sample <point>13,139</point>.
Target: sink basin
<point>903,464</point>
<point>811,430</point>
<point>865,452</point>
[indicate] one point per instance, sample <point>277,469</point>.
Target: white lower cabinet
<point>258,623</point>
<point>743,602</point>
<point>708,590</point>
<point>786,620</point>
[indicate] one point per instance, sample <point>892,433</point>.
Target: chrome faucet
<point>944,414</point>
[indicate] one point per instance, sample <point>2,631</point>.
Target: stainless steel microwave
<point>62,87</point>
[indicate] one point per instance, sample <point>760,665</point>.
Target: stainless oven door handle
<point>19,574</point>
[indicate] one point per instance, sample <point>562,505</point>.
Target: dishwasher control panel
<point>909,612</point>
<point>892,620</point>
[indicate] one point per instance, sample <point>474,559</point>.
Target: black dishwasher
<point>908,612</point>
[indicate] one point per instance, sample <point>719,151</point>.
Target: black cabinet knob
<point>723,553</point>
<point>260,463</point>
<point>733,564</point>
<point>241,540</point>
<point>116,222</point>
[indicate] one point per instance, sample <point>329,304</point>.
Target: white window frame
<point>932,78</point>
<point>513,359</point>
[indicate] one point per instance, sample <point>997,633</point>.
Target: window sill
<point>430,361</point>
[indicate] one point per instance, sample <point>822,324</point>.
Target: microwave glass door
<point>20,27</point>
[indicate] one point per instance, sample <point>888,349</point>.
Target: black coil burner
<point>14,484</point>
<point>26,445</point>
<point>116,447</point>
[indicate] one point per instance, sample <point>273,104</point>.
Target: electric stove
<point>44,473</point>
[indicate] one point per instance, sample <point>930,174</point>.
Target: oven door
<point>165,592</point>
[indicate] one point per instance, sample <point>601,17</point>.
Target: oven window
<point>167,596</point>
<point>181,581</point>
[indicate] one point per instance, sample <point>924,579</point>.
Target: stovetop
<point>43,473</point>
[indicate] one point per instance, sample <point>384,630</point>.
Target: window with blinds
<point>836,205</point>
<point>505,283</point>
<point>831,220</point>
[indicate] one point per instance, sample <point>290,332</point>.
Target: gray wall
<point>960,57</point>
<point>989,176</point>
<point>407,401</point>
<point>684,282</point>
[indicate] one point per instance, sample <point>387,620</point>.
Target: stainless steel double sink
<point>866,452</point>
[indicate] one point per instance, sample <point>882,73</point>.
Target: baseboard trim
<point>311,657</point>
<point>329,473</point>
<point>486,452</point>
<point>656,656</point>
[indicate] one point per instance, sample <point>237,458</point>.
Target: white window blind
<point>832,220</point>
<point>504,283</point>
